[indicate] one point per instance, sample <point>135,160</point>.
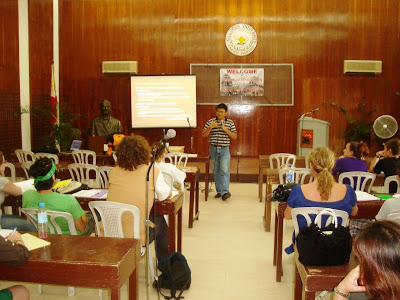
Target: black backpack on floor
<point>175,275</point>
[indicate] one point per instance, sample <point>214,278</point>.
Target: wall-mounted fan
<point>385,126</point>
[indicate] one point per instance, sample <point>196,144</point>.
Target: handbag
<point>328,246</point>
<point>282,192</point>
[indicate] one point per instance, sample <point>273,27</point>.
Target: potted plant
<point>61,133</point>
<point>359,128</point>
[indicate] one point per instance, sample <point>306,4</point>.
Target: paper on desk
<point>25,185</point>
<point>192,155</point>
<point>5,232</point>
<point>32,242</point>
<point>364,196</point>
<point>93,193</point>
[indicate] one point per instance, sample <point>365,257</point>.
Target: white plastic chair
<point>281,159</point>
<point>387,182</point>
<point>362,178</point>
<point>24,155</point>
<point>84,157</point>
<point>111,218</point>
<point>26,166</point>
<point>177,158</point>
<point>394,217</point>
<point>307,212</point>
<point>82,173</point>
<point>104,176</point>
<point>115,157</point>
<point>11,167</point>
<point>300,175</point>
<point>52,156</point>
<point>54,228</point>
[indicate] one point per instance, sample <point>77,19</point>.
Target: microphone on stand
<point>171,133</point>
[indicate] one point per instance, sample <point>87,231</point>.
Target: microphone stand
<point>147,221</point>
<point>191,137</point>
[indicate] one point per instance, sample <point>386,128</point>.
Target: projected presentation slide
<point>166,101</point>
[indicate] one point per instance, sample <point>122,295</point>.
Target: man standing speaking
<point>221,130</point>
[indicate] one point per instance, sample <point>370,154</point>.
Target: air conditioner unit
<point>120,67</point>
<point>362,66</point>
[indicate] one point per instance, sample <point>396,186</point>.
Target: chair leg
<point>71,291</point>
<point>40,288</point>
<point>100,293</point>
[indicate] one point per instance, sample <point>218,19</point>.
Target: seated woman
<point>354,158</point>
<point>14,253</point>
<point>43,171</point>
<point>171,169</point>
<point>323,191</point>
<point>377,247</point>
<point>128,185</point>
<point>9,188</point>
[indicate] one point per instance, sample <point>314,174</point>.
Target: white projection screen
<point>164,101</point>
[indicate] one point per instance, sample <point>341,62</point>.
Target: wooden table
<point>366,210</point>
<point>193,176</point>
<point>314,279</point>
<point>206,160</point>
<point>170,207</point>
<point>73,260</point>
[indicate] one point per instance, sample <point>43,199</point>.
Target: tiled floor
<point>228,251</point>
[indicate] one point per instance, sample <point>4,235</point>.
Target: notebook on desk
<point>76,145</point>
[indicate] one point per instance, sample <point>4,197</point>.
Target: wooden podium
<point>96,143</point>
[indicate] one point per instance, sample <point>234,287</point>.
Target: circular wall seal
<point>241,39</point>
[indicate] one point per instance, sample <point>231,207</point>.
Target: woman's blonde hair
<point>322,160</point>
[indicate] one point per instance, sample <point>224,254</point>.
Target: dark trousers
<point>160,234</point>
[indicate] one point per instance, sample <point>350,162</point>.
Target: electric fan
<point>385,127</point>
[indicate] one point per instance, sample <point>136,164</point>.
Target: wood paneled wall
<point>165,36</point>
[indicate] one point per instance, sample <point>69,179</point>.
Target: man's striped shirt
<point>218,137</point>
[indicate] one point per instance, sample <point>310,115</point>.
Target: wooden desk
<point>171,208</point>
<point>366,210</point>
<point>74,260</point>
<point>193,176</point>
<point>314,279</point>
<point>206,160</point>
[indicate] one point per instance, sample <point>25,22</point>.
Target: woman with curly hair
<point>128,185</point>
<point>377,248</point>
<point>323,191</point>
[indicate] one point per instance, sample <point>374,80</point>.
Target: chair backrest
<point>52,156</point>
<point>281,159</point>
<point>85,173</point>
<point>111,217</point>
<point>115,157</point>
<point>394,217</point>
<point>177,158</point>
<point>389,180</point>
<point>358,180</point>
<point>52,225</point>
<point>11,167</point>
<point>301,175</point>
<point>84,157</point>
<point>24,155</point>
<point>104,176</point>
<point>26,166</point>
<point>308,212</point>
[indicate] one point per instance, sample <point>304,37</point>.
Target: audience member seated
<point>14,253</point>
<point>323,191</point>
<point>387,161</point>
<point>9,188</point>
<point>43,171</point>
<point>377,247</point>
<point>354,154</point>
<point>128,185</point>
<point>177,175</point>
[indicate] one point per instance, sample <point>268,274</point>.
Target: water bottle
<point>42,221</point>
<point>290,175</point>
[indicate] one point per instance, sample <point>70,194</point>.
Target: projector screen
<point>165,101</point>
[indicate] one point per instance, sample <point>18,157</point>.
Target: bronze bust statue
<point>104,124</point>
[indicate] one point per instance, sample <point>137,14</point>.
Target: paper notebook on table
<point>364,196</point>
<point>32,242</point>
